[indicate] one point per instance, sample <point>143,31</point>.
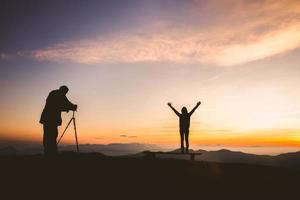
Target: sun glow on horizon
<point>122,66</point>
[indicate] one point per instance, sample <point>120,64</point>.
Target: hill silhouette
<point>113,149</point>
<point>8,151</point>
<point>94,175</point>
<point>290,160</point>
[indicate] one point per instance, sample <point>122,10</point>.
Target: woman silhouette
<point>184,125</point>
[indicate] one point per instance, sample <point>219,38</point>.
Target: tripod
<point>74,123</point>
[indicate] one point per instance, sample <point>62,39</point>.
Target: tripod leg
<point>76,135</point>
<point>65,130</point>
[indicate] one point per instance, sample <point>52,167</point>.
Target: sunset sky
<point>123,60</point>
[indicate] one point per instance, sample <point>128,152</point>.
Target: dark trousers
<point>49,139</point>
<point>184,136</point>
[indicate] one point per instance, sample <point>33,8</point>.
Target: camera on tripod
<point>75,130</point>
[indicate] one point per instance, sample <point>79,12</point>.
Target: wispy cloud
<point>237,31</point>
<point>128,136</point>
<point>5,56</point>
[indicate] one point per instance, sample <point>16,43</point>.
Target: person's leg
<point>55,134</point>
<point>50,135</point>
<point>182,141</point>
<point>186,135</point>
<point>46,139</point>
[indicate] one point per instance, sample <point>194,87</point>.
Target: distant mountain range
<point>290,160</point>
<point>8,151</point>
<point>113,149</point>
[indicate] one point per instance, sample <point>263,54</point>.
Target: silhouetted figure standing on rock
<point>184,124</point>
<point>56,103</point>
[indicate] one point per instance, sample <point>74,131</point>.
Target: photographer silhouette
<point>56,103</point>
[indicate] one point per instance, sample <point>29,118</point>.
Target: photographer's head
<point>64,89</point>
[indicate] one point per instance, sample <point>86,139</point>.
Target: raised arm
<point>176,112</point>
<point>192,111</point>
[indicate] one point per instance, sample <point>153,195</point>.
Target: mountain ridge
<point>290,160</point>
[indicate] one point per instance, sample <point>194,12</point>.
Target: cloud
<point>5,56</point>
<point>123,135</point>
<point>215,32</point>
<point>128,136</point>
<point>12,56</point>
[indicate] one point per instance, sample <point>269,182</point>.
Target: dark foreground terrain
<point>94,176</point>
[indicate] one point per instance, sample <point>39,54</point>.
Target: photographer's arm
<point>67,105</point>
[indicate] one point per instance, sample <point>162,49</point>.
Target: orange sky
<point>240,58</point>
